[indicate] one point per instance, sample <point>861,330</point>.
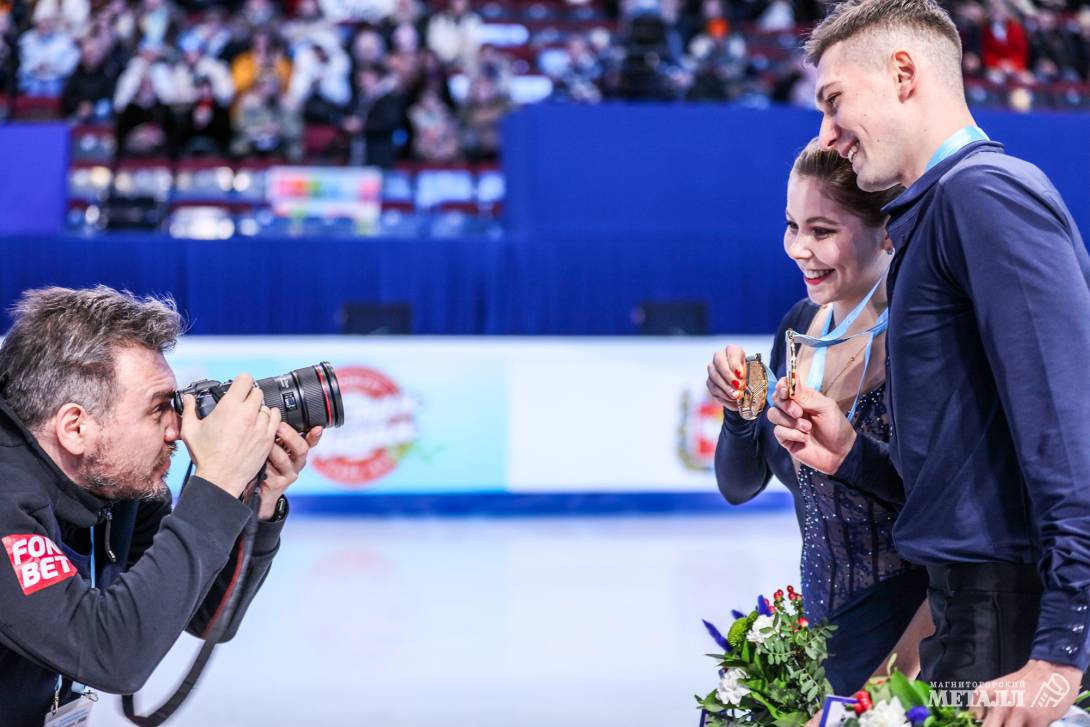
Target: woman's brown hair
<point>838,181</point>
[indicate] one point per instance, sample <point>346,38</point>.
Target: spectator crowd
<point>380,81</point>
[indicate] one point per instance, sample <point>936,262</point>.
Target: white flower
<point>884,714</point>
<point>755,635</point>
<point>729,690</point>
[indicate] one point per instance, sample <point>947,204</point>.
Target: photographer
<point>100,577</point>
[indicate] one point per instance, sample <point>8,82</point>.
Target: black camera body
<point>307,397</point>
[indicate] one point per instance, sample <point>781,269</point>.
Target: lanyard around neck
<point>958,140</point>
<point>92,557</point>
<point>816,374</point>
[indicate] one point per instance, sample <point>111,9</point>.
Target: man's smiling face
<point>862,117</point>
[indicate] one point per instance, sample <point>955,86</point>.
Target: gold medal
<point>792,364</point>
<point>755,394</point>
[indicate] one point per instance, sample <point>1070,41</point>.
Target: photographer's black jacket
<point>164,577</point>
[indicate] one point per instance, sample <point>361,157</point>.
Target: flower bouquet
<point>897,701</point>
<point>771,669</point>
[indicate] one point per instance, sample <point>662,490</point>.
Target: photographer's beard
<point>122,477</point>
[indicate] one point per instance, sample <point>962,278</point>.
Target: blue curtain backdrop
<point>608,207</point>
<point>33,178</point>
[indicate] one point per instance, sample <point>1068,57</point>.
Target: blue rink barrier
<point>455,286</point>
<point>537,505</point>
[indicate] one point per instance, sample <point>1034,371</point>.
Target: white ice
<point>485,622</point>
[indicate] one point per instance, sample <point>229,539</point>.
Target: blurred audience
<point>393,80</point>
<point>89,91</point>
<point>142,104</point>
<point>375,119</point>
<point>264,56</point>
<point>481,115</point>
<point>434,129</point>
<point>454,35</point>
<point>47,53</point>
<point>266,123</point>
<point>1004,46</point>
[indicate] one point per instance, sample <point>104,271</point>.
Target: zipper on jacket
<point>106,542</point>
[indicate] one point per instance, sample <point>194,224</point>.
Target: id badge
<point>73,714</point>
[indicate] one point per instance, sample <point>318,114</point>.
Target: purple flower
<point>736,614</point>
<point>718,637</point>
<point>917,715</point>
<point>762,606</point>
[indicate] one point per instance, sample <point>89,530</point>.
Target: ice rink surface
<point>484,622</point>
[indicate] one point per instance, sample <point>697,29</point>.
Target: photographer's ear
<point>74,428</point>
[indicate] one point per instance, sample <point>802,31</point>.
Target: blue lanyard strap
<point>959,139</point>
<point>77,687</point>
<point>816,374</point>
<point>92,556</point>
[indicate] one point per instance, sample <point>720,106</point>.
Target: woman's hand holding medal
<point>811,427</point>
<point>726,376</point>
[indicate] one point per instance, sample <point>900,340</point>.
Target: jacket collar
<point>71,503</point>
<point>905,208</point>
<point>931,177</point>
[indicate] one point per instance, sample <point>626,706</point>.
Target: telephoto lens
<point>307,397</point>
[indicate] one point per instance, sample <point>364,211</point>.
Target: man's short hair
<point>62,345</point>
<point>924,18</point>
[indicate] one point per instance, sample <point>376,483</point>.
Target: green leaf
<point>923,689</point>
<point>792,719</point>
<point>881,693</point>
<point>903,690</point>
<point>776,713</point>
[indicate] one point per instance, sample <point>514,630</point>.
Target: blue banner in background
<point>34,185</point>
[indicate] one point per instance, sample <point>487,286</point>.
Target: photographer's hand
<point>286,460</point>
<point>229,446</point>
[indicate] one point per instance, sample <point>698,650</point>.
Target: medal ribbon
<point>816,375</point>
<point>959,139</point>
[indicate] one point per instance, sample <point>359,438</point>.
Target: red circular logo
<point>379,427</point>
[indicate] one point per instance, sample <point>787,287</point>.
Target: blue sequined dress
<point>851,574</point>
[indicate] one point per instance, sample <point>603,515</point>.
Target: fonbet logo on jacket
<point>379,428</point>
<point>37,561</point>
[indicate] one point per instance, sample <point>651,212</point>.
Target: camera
<point>307,397</point>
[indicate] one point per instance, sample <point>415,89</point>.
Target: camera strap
<point>217,626</point>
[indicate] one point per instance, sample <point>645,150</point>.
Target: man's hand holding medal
<point>808,424</point>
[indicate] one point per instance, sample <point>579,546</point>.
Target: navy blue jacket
<point>987,349</point>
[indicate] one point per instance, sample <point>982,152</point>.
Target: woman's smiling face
<point>840,256</point>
